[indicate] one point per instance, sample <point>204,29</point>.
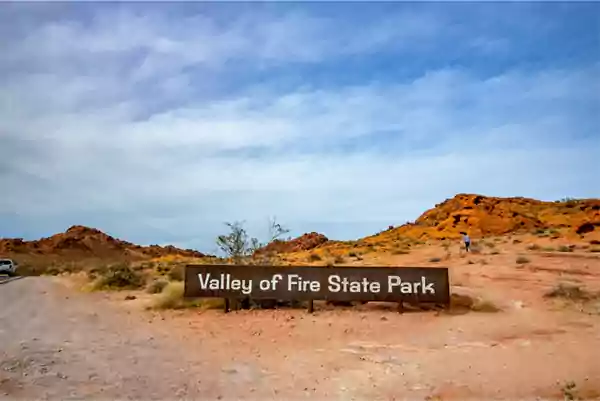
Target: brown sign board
<point>386,284</point>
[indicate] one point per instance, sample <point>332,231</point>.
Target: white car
<point>7,266</point>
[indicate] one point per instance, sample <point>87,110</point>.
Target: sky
<point>159,122</point>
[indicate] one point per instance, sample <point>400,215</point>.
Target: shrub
<point>482,305</point>
<point>534,247</point>
<point>494,253</point>
<point>176,273</point>
<point>466,302</point>
<point>568,291</point>
<point>548,249</point>
<point>339,259</point>
<point>595,250</point>
<point>156,286</point>
<point>522,260</point>
<point>313,257</point>
<point>171,297</point>
<point>564,248</point>
<point>119,276</point>
<point>352,254</point>
<point>400,251</point>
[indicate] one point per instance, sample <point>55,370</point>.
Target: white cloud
<point>89,143</point>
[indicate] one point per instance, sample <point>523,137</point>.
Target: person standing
<point>467,241</point>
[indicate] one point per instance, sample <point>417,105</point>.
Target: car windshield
<point>5,262</point>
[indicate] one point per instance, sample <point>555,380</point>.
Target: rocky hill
<point>303,243</point>
<point>80,242</point>
<point>490,216</point>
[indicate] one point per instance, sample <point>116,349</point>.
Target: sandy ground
<point>60,343</point>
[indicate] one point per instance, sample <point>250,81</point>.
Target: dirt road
<point>59,343</point>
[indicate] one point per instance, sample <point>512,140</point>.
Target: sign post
<point>309,283</point>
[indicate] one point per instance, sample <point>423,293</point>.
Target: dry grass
<point>171,297</point>
<point>459,302</point>
<point>339,259</point>
<point>571,292</point>
<point>156,286</point>
<point>564,248</point>
<point>400,251</point>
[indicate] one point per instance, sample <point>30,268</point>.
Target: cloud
<point>136,126</point>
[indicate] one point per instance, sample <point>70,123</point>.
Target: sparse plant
<point>435,260</point>
<point>239,246</point>
<point>534,247</point>
<point>595,250</point>
<point>522,260</point>
<point>171,297</point>
<point>314,257</point>
<point>118,276</point>
<point>494,252</point>
<point>400,251</point>
<point>490,245</point>
<point>176,273</point>
<point>156,286</point>
<point>564,248</point>
<point>569,391</point>
<point>339,259</point>
<point>486,306</point>
<point>352,254</point>
<point>569,291</point>
<point>548,249</point>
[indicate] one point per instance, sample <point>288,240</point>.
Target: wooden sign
<point>340,283</point>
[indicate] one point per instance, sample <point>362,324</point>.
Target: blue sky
<point>157,122</point>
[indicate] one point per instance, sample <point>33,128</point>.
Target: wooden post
<point>311,306</point>
<point>225,305</point>
<point>400,308</point>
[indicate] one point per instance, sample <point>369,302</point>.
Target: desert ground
<point>512,342</point>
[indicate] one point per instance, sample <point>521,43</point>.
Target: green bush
<point>118,276</point>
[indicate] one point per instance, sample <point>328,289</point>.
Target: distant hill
<point>489,216</point>
<point>80,242</point>
<point>480,216</point>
